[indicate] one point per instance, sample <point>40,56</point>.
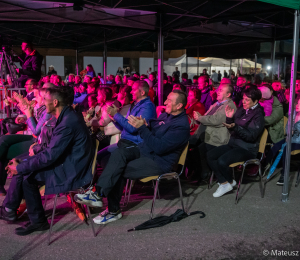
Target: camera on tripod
<point>7,65</point>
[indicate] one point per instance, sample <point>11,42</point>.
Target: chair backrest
<point>183,155</point>
<point>285,120</point>
<point>95,158</point>
<point>263,141</point>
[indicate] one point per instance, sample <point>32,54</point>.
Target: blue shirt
<point>144,108</point>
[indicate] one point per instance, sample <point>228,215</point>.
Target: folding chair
<point>80,190</point>
<point>298,174</point>
<point>167,176</point>
<point>262,145</point>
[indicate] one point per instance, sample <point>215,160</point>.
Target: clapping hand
<point>229,125</point>
<point>28,111</point>
<point>12,167</point>
<point>136,122</point>
<point>112,110</point>
<point>31,152</point>
<point>197,115</point>
<point>229,111</point>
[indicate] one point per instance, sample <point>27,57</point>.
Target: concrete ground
<point>228,231</point>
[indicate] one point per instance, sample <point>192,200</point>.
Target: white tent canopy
<point>217,62</point>
<point>245,63</point>
<point>170,64</point>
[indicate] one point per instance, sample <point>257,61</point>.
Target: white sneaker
<point>233,183</point>
<point>89,198</point>
<point>106,217</point>
<point>223,188</point>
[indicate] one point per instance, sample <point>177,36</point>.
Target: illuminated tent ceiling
<point>223,28</point>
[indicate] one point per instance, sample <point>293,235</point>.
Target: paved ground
<point>228,231</point>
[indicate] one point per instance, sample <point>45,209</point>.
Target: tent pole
<point>255,65</point>
<point>242,67</point>
<point>160,64</point>
<point>285,188</point>
<point>284,67</point>
<point>186,63</point>
<point>273,58</point>
<point>105,60</point>
<point>76,57</point>
<point>198,58</point>
<point>278,69</point>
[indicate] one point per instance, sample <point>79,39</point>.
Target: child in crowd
<point>267,100</point>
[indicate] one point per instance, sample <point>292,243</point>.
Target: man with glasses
<point>29,86</point>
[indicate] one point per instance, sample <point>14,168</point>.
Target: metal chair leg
<point>261,184</point>
<point>154,198</point>
<point>153,185</point>
<point>51,224</point>
<point>180,193</point>
<point>129,193</point>
<point>238,189</point>
<point>210,180</point>
<point>72,201</point>
<point>91,220</point>
<point>298,177</point>
<point>45,202</point>
<point>126,191</point>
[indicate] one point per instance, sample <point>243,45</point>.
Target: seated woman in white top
<point>125,98</point>
<point>100,117</point>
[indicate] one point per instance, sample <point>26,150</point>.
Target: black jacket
<point>31,65</point>
<point>65,164</point>
<point>164,139</point>
<point>248,128</point>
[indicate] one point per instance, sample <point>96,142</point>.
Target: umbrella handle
<point>197,212</point>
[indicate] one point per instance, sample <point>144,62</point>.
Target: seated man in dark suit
<point>64,165</point>
<point>163,142</point>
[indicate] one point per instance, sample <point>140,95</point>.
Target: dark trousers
<point>197,159</point>
<point>124,163</point>
<point>104,154</point>
<point>10,147</point>
<point>27,186</point>
<point>221,157</point>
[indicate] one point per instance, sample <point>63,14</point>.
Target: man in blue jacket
<point>64,165</point>
<point>142,106</point>
<point>163,142</point>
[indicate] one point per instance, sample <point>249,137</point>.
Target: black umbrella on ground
<point>164,220</point>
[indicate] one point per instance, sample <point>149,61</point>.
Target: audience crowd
<point>52,140</point>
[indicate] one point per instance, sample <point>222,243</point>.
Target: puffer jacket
<point>274,122</point>
<point>144,108</point>
<point>249,126</point>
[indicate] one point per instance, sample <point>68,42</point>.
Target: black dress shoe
<point>8,216</point>
<point>30,228</point>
